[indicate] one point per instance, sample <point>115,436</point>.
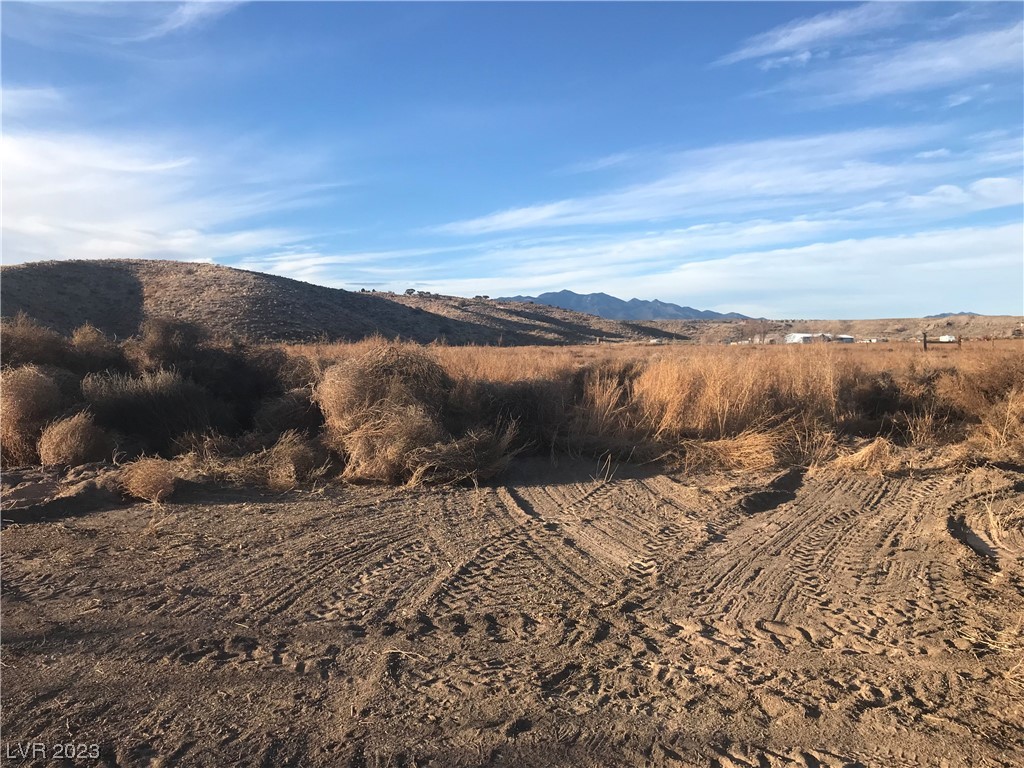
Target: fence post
<point>925,337</point>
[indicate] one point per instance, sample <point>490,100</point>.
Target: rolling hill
<point>118,295</point>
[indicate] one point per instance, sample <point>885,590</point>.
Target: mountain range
<point>612,308</point>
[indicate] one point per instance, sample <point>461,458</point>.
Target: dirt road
<point>833,619</point>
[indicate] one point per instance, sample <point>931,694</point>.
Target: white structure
<point>947,339</point>
<point>807,338</point>
<point>844,339</point>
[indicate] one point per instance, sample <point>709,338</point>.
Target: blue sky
<point>779,159</point>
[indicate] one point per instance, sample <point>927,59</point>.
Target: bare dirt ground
<point>830,619</point>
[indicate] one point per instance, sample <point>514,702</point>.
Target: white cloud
<point>601,163</point>
<point>972,267</point>
<point>191,13</point>
<point>96,26</point>
<point>29,102</point>
<point>80,196</point>
<point>931,154</point>
<point>797,174</point>
<point>797,60</point>
<point>803,34</point>
<point>918,66</point>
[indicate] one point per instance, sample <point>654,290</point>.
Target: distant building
<point>807,338</point>
<point>947,339</point>
<point>845,339</point>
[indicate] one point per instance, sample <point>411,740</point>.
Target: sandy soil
<point>555,620</point>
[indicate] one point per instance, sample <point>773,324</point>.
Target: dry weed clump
<point>389,414</point>
<point>294,409</point>
<point>152,480</point>
<point>1000,435</point>
<point>395,374</point>
<point>750,451</point>
<point>604,420</point>
<point>25,342</point>
<point>95,351</point>
<point>28,400</point>
<point>478,455</point>
<point>73,441</point>
<point>382,446</point>
<point>291,460</point>
<point>877,457</point>
<point>155,407</point>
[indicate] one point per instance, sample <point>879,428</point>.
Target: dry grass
<point>876,457</point>
<point>154,407</point>
<point>95,351</point>
<point>478,455</point>
<point>294,410</point>
<point>73,441</point>
<point>750,451</point>
<point>152,480</point>
<point>399,412</point>
<point>293,459</point>
<point>24,342</point>
<point>29,398</point>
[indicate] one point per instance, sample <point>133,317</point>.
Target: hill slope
<point>117,295</point>
<point>612,308</point>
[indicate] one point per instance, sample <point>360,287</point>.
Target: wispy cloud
<point>83,196</point>
<point>608,161</point>
<point>796,174</point>
<point>948,267</point>
<point>804,35</point>
<point>917,66</point>
<point>19,103</point>
<point>188,15</point>
<point>99,26</point>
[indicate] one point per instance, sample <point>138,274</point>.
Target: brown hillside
<point>117,295</point>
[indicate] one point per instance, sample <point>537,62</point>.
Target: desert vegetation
<point>390,412</point>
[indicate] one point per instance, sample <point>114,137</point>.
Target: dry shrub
<point>478,455</point>
<point>68,383</point>
<point>155,407</point>
<point>294,409</point>
<point>605,419</point>
<point>293,459</point>
<point>237,375</point>
<point>24,342</point>
<point>396,374</point>
<point>73,441</point>
<point>876,457</point>
<point>385,413</point>
<point>94,351</point>
<point>1000,436</point>
<point>810,443</point>
<point>750,451</point>
<point>381,447</point>
<point>297,371</point>
<point>539,408</point>
<point>28,400</point>
<point>163,343</point>
<point>152,480</point>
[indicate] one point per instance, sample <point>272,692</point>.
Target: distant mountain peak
<point>612,308</point>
